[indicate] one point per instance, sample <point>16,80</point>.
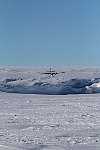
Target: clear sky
<point>50,32</point>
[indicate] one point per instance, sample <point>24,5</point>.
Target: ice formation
<point>35,82</point>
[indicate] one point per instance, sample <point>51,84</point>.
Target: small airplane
<point>51,72</point>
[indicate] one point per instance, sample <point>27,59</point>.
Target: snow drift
<point>30,86</point>
<point>36,80</point>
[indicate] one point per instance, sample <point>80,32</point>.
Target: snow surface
<point>49,122</point>
<point>35,81</point>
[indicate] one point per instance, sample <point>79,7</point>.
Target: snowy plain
<point>51,119</point>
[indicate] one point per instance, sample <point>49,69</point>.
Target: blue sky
<point>50,32</point>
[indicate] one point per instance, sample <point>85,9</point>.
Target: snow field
<point>44,122</point>
<point>43,112</point>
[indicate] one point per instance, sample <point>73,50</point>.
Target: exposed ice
<point>32,81</point>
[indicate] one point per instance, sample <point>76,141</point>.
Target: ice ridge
<point>31,86</point>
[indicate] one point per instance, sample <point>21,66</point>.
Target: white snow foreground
<point>35,81</point>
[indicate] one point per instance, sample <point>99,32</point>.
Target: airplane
<point>51,72</point>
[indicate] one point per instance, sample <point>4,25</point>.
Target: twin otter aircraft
<point>51,72</point>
